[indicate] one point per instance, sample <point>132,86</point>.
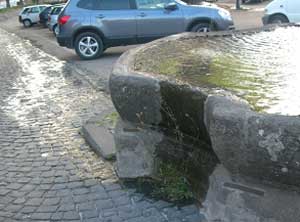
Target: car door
<point>154,21</point>
<point>116,20</point>
<point>34,14</point>
<point>293,10</point>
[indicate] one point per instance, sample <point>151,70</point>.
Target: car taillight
<point>64,19</point>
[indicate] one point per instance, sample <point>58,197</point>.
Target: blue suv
<point>91,26</point>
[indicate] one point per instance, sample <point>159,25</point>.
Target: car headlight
<point>224,14</point>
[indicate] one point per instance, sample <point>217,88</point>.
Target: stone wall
<point>260,146</point>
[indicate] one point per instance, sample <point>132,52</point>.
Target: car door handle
<point>100,16</point>
<point>143,14</point>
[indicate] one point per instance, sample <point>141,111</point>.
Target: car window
<point>56,11</point>
<point>52,10</point>
<point>88,4</point>
<point>42,8</point>
<point>152,4</point>
<point>34,10</point>
<point>26,10</point>
<point>104,4</point>
<point>114,4</point>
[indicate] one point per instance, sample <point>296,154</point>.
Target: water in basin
<point>263,67</point>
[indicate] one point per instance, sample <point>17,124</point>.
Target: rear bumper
<point>231,27</point>
<point>64,41</point>
<point>265,19</point>
<point>43,22</point>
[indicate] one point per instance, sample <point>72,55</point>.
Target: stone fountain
<point>234,96</point>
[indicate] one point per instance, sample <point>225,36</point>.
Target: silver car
<point>53,18</point>
<point>91,26</point>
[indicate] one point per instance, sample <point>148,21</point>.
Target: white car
<point>30,15</point>
<point>282,11</point>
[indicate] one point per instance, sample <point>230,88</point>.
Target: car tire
<point>278,19</point>
<point>89,45</point>
<point>27,23</point>
<point>202,27</point>
<point>55,30</point>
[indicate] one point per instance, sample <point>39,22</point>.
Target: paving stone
<point>93,220</point>
<point>90,214</point>
<point>28,209</point>
<point>4,191</point>
<point>71,215</point>
<point>196,218</point>
<point>86,206</point>
<point>57,216</point>
<point>104,204</point>
<point>41,216</point>
<point>126,212</point>
<point>66,207</point>
<point>112,219</point>
<point>51,201</point>
<point>34,202</point>
<point>122,200</point>
<point>79,191</point>
<point>47,209</point>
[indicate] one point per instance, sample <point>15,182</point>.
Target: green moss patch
<point>109,120</point>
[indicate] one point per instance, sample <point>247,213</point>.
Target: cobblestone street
<point>47,171</point>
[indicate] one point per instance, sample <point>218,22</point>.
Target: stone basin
<point>234,93</point>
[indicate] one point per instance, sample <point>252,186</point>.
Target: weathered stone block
<point>231,199</point>
<point>135,151</point>
<point>261,146</point>
<point>98,132</point>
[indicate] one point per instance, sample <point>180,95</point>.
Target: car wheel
<point>202,27</point>
<point>88,45</point>
<point>55,30</point>
<point>278,19</point>
<point>27,23</point>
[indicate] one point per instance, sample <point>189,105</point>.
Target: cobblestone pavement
<point>47,171</point>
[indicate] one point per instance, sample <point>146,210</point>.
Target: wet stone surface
<point>47,171</point>
<point>260,67</point>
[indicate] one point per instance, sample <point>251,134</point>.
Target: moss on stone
<point>109,120</point>
<point>169,66</point>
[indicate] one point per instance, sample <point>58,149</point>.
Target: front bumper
<point>265,19</point>
<point>224,24</point>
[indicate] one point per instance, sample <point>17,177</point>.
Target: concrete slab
<point>98,132</point>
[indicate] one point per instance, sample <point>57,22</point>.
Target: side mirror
<point>171,6</point>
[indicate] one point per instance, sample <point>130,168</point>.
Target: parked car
<point>91,26</point>
<point>282,11</point>
<point>44,16</point>
<point>53,18</point>
<point>30,15</point>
